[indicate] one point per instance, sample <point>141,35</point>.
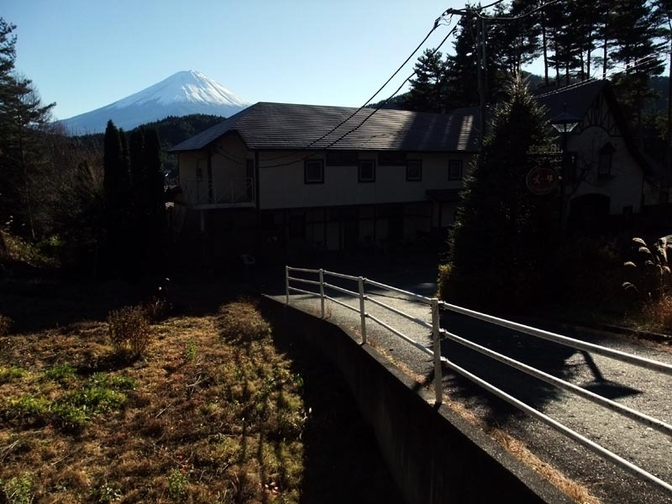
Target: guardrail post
<point>362,311</point>
<point>287,285</point>
<point>436,338</point>
<point>322,291</point>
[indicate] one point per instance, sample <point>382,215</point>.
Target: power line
<point>519,16</point>
<point>393,94</point>
<point>361,108</point>
<point>437,23</point>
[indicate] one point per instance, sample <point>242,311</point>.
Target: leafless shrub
<point>129,330</point>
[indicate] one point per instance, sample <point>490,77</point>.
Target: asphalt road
<point>637,388</point>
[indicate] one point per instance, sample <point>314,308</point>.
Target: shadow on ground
<point>342,462</point>
<point>544,355</point>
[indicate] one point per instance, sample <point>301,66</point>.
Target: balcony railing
<point>204,193</point>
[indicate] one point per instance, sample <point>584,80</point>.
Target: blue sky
<point>84,54</point>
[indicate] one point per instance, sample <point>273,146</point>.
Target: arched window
<point>605,161</point>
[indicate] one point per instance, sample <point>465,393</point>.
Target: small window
<point>455,169</point>
<point>367,170</point>
<point>414,170</point>
<point>605,161</point>
<point>313,171</point>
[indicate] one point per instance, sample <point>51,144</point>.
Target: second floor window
<point>455,169</point>
<point>313,171</point>
<point>414,170</point>
<point>367,170</point>
<point>605,161</point>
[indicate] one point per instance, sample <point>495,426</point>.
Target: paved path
<point>629,385</point>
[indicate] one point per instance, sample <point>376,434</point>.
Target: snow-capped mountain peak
<point>183,93</point>
<point>186,86</point>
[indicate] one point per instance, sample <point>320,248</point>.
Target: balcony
<point>204,194</point>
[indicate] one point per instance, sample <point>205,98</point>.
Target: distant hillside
<point>172,130</point>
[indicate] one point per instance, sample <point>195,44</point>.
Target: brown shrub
<point>129,330</point>
<point>660,312</point>
<point>5,325</point>
<point>241,320</point>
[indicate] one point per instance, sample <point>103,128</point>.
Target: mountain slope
<point>183,93</point>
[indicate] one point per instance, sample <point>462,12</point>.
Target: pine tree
<point>154,179</point>
<point>154,198</point>
<point>428,91</point>
<point>116,187</point>
<point>637,53</point>
<point>502,229</point>
<point>23,124</point>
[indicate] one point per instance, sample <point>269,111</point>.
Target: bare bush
<point>5,324</point>
<point>129,330</point>
<point>241,320</point>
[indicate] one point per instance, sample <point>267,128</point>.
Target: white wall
<point>284,187</point>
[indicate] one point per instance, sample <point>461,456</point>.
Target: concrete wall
<point>434,455</point>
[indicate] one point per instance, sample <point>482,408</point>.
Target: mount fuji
<point>183,93</point>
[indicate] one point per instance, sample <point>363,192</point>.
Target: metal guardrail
<point>435,352</point>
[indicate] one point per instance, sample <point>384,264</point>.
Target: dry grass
<point>659,314</point>
<point>212,413</point>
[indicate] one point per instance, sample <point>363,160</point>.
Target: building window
<point>455,169</point>
<point>605,161</point>
<point>313,171</point>
<point>414,170</point>
<point>367,170</point>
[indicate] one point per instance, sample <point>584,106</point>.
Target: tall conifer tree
<point>503,230</point>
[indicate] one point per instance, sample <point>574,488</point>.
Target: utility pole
<point>483,74</point>
<point>481,60</point>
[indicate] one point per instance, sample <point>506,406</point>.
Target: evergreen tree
<point>503,230</point>
<point>154,179</point>
<point>517,41</point>
<point>428,91</point>
<point>115,170</point>
<point>154,198</point>
<point>23,125</point>
<point>638,55</point>
<point>116,187</point>
<point>462,67</point>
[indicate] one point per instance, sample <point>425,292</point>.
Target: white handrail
<point>594,447</point>
<point>647,420</point>
<point>563,340</point>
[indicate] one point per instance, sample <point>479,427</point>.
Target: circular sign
<point>542,180</point>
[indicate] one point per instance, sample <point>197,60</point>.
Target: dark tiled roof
<point>574,99</point>
<point>267,126</point>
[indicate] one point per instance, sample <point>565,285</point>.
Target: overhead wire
<point>437,23</point>
<point>375,110</point>
<point>519,16</point>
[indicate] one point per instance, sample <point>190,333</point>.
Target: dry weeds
<point>204,416</point>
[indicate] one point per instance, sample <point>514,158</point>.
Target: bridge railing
<point>323,289</point>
